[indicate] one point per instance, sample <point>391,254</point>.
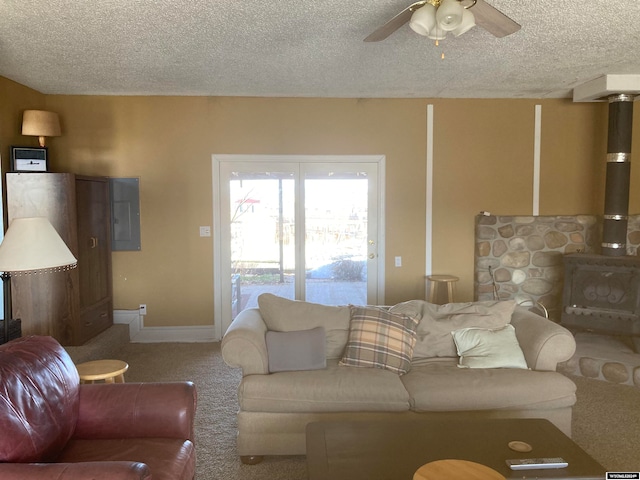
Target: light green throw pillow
<point>489,348</point>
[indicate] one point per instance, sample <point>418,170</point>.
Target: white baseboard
<point>138,333</point>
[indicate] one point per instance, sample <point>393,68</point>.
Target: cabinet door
<point>94,240</point>
<point>47,303</point>
<point>94,258</point>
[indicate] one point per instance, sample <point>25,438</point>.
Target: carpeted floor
<point>606,423</point>
<point>606,418</point>
<point>217,385</point>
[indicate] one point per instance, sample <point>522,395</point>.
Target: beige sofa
<point>275,407</point>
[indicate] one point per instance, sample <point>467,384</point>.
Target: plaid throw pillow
<point>380,339</point>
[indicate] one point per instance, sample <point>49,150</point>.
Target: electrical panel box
<point>125,214</point>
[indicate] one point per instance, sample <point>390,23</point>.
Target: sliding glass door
<point>303,229</point>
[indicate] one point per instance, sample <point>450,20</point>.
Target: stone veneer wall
<point>524,254</point>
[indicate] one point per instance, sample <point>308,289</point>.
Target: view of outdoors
<point>263,237</point>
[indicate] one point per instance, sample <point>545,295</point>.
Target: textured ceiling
<point>308,49</point>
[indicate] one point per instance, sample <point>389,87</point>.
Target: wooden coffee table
<point>395,450</point>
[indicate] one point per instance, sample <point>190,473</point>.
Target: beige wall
<point>483,160</point>
<point>14,98</point>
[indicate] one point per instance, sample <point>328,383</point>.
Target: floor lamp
<point>31,246</point>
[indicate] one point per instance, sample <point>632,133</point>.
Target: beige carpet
<point>217,385</point>
<point>606,417</point>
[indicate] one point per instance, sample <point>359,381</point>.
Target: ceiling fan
<point>488,17</point>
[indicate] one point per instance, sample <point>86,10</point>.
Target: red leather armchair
<point>52,427</point>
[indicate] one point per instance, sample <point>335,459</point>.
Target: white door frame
<point>217,159</point>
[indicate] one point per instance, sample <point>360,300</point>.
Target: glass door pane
<point>300,230</point>
<point>336,235</point>
<point>262,236</point>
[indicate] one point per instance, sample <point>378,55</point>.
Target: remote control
<point>535,463</point>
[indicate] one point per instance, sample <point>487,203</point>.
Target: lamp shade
<point>40,123</point>
<point>423,19</point>
<point>32,245</point>
<point>449,15</point>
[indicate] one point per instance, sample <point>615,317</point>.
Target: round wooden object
<point>443,278</point>
<point>111,371</point>
<point>456,470</point>
<point>433,283</point>
<point>518,446</point>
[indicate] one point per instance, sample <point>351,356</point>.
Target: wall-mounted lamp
<point>41,124</point>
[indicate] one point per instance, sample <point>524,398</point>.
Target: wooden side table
<point>111,371</point>
<point>456,470</point>
<point>434,285</point>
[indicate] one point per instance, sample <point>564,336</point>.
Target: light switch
<point>205,231</point>
<point>398,261</point>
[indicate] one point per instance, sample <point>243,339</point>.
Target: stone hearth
<point>602,357</point>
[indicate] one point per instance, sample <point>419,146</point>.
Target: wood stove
<point>602,292</point>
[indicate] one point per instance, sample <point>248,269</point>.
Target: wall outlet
<point>205,231</point>
<point>143,309</point>
<point>398,261</point>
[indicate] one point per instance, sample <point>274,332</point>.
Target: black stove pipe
<point>616,202</point>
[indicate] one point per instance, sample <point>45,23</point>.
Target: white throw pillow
<point>489,348</point>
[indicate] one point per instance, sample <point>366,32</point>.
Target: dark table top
<point>394,450</point>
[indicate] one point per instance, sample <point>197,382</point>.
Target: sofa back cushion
<point>39,399</point>
<point>434,337</point>
<point>284,315</point>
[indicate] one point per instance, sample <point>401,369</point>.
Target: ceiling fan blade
<point>493,20</point>
<point>395,23</point>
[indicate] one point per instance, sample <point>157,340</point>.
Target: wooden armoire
<point>75,305</point>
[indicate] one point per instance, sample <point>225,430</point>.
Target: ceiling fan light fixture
<point>468,22</point>
<point>437,33</point>
<point>449,15</point>
<point>423,20</point>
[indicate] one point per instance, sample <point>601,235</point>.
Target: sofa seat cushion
<point>442,386</point>
<point>167,458</point>
<point>334,389</point>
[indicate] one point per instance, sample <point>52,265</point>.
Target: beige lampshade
<point>32,245</point>
<point>41,124</point>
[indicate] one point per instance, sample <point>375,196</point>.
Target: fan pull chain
<point>438,44</point>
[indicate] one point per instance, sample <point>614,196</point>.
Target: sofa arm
<point>75,471</point>
<point>137,410</point>
<point>244,345</point>
<point>544,343</point>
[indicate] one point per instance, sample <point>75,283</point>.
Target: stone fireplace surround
<point>524,256</point>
